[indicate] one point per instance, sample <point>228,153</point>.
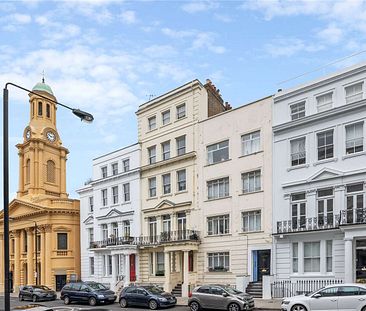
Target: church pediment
<point>325,173</point>
<point>18,208</point>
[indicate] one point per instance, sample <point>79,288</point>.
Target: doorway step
<point>177,290</point>
<point>255,289</point>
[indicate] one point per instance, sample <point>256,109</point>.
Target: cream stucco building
<point>234,163</point>
<point>44,226</point>
<point>168,132</point>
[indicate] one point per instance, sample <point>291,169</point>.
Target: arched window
<point>27,172</point>
<point>40,111</point>
<point>51,171</point>
<point>48,111</point>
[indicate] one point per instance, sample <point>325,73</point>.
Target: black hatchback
<point>146,296</point>
<point>87,292</point>
<point>36,293</point>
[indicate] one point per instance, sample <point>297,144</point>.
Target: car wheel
<point>123,303</point>
<point>66,300</point>
<point>34,298</point>
<point>153,305</point>
<point>233,307</point>
<point>92,301</point>
<point>21,298</point>
<point>364,308</point>
<point>298,308</point>
<point>194,306</point>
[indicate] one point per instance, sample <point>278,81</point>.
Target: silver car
<point>220,297</point>
<point>350,297</point>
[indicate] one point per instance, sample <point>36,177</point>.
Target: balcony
<point>345,217</point>
<point>164,237</point>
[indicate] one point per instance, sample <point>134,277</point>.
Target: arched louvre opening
<point>51,174</point>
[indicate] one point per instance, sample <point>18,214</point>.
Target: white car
<point>342,297</point>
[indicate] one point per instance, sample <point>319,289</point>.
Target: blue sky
<point>106,57</point>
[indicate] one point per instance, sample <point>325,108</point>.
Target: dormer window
<point>40,108</point>
<point>354,92</point>
<point>297,110</point>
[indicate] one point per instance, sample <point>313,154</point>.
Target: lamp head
<point>84,116</point>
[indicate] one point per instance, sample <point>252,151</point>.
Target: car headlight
<point>100,296</point>
<point>285,302</point>
<point>163,299</point>
<point>241,298</point>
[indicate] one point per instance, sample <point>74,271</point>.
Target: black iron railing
<point>308,224</point>
<point>164,237</point>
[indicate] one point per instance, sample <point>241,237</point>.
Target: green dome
<point>41,86</point>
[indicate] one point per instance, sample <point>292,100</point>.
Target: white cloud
<point>332,34</point>
<point>200,6</point>
<point>128,17</point>
<point>223,18</point>
<point>177,34</point>
<point>20,18</point>
<point>160,50</point>
<point>207,40</point>
<point>289,46</point>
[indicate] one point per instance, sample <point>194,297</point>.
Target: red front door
<point>132,268</point>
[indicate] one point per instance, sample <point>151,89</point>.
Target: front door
<point>60,282</point>
<point>262,264</point>
<point>361,261</point>
<point>132,268</point>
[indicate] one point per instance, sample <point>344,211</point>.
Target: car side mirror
<point>31,290</point>
<point>225,294</point>
<point>317,295</point>
<point>146,293</point>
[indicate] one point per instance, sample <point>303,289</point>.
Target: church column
<point>32,169</point>
<point>48,266</point>
<point>43,256</point>
<point>21,172</point>
<point>63,173</point>
<point>40,184</point>
<point>17,267</point>
<point>30,254</point>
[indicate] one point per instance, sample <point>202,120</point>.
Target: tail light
<point>190,294</point>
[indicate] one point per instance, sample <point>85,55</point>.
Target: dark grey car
<point>36,293</point>
<point>219,297</point>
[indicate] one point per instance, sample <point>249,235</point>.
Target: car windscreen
<point>154,290</point>
<point>231,290</point>
<point>41,287</point>
<point>97,286</point>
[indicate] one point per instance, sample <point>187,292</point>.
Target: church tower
<point>42,158</point>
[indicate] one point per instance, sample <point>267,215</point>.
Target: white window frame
<point>217,147</point>
<point>181,149</point>
<point>165,120</point>
<point>165,150</point>
<point>114,168</point>
<point>151,123</point>
<point>181,182</point>
<point>218,188</point>
<point>91,204</point>
<point>355,141</point>
<point>253,176</point>
<point>295,257</point>
<point>299,113</point>
<point>126,165</point>
<point>91,235</point>
<point>329,256</point>
<point>218,225</point>
<point>250,144</point>
<point>104,171</point>
<point>115,194</point>
<point>152,188</point>
<point>152,154</point>
<point>104,195</point>
<point>356,96</point>
<point>323,106</point>
<point>104,229</point>
<point>300,156</point>
<point>312,257</point>
<point>91,266</point>
<point>126,228</point>
<point>218,261</point>
<point>126,192</point>
<point>181,113</point>
<point>246,216</point>
<point>166,183</point>
<point>325,201</point>
<point>326,146</point>
<point>300,204</point>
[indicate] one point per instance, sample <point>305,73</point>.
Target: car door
<point>143,297</point>
<point>217,300</point>
<point>350,298</point>
<point>203,296</point>
<point>25,292</point>
<point>74,292</point>
<point>84,292</point>
<point>325,299</point>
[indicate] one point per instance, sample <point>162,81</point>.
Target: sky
<point>109,57</point>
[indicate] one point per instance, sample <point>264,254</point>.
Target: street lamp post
<point>84,116</point>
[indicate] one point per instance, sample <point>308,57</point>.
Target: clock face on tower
<point>51,136</point>
<point>28,134</point>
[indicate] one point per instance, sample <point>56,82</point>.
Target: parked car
<point>331,297</point>
<point>219,297</point>
<point>146,296</point>
<point>36,293</point>
<point>89,292</point>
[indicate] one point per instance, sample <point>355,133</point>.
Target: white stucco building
<point>110,219</point>
<point>235,194</point>
<point>319,173</point>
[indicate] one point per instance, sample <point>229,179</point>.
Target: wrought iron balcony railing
<point>353,216</point>
<point>164,237</point>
